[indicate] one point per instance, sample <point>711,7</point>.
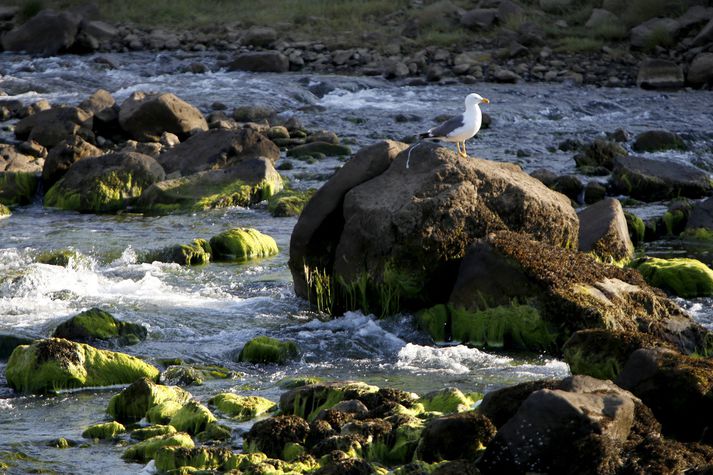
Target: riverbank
<point>413,42</point>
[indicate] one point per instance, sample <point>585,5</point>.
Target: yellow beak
<point>487,101</point>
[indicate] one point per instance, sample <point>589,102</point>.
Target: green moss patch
<point>240,244</point>
<point>308,401</point>
<point>133,403</point>
<point>448,400</point>
<point>242,408</point>
<point>96,324</point>
<point>289,202</point>
<point>684,277</point>
<point>192,418</point>
<point>17,188</point>
<point>195,375</point>
<point>146,450</point>
<point>108,193</point>
<point>200,458</point>
<point>193,254</point>
<point>263,349</point>
<point>4,211</point>
<point>54,363</point>
<point>107,430</point>
<point>155,430</point>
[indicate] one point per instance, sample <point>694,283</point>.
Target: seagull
<point>460,128</point>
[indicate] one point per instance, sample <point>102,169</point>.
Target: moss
<point>61,257</point>
<point>315,148</point>
<point>215,431</point>
<point>263,349</point>
<point>4,211</point>
<point>107,193</point>
<point>435,321</point>
<point>55,363</point>
<point>146,450</point>
<point>292,451</point>
<point>698,234</point>
<point>636,228</point>
<point>96,324</point>
<point>155,430</point>
<point>241,244</point>
<point>163,413</point>
<point>398,447</point>
<point>193,254</point>
<point>242,408</point>
<point>310,400</point>
<point>675,221</point>
<point>448,400</point>
<point>298,382</point>
<point>245,462</point>
<point>107,430</point>
<point>687,278</point>
<point>289,202</point>
<point>192,418</point>
<point>17,188</point>
<point>201,458</point>
<point>187,375</point>
<point>133,403</point>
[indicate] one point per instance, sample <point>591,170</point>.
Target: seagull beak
<point>486,101</point>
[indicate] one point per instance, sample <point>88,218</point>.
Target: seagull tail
<point>424,135</point>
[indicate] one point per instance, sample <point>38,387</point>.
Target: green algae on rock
<point>271,435</point>
<point>263,349</point>
<point>685,277</point>
<point>163,412</point>
<point>308,401</point>
<point>54,364</point>
<point>448,400</point>
<point>96,324</point>
<point>17,188</point>
<point>195,374</point>
<point>154,430</point>
<point>4,211</point>
<point>242,408</point>
<point>215,432</point>
<point>240,244</point>
<point>132,404</point>
<point>106,430</point>
<point>146,450</point>
<point>289,202</point>
<point>192,418</point>
<point>62,257</point>
<point>193,254</point>
<point>200,458</point>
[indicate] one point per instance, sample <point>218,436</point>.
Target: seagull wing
<point>446,128</point>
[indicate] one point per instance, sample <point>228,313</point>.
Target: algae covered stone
<point>271,435</point>
<point>146,450</point>
<point>687,278</point>
<point>192,418</point>
<point>17,188</point>
<point>162,413</point>
<point>201,458</point>
<point>4,211</point>
<point>242,408</point>
<point>55,363</point>
<point>107,430</point>
<point>96,324</point>
<point>61,257</point>
<point>241,244</point>
<point>448,400</point>
<point>155,430</point>
<point>308,401</point>
<point>193,254</point>
<point>8,343</point>
<point>132,404</point>
<point>195,375</point>
<point>263,349</point>
<point>289,202</point>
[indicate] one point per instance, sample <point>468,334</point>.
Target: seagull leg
<point>465,151</point>
<point>458,147</point>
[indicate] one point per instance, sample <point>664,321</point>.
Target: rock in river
<point>145,116</point>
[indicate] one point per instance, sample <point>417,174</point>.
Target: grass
<point>578,44</point>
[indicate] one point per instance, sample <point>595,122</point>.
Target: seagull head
<point>473,99</point>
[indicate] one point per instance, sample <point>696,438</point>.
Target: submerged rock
<point>17,188</point>
<point>106,430</point>
<point>195,375</point>
<point>132,404</point>
<point>308,401</point>
<point>684,277</point>
<point>96,324</point>
<point>194,254</point>
<point>263,349</point>
<point>54,363</point>
<point>289,202</point>
<point>192,418</point>
<point>657,140</point>
<point>242,244</point>
<point>145,116</point>
<point>155,430</point>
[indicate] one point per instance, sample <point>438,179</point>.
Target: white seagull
<point>462,127</point>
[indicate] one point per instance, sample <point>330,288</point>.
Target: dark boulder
<point>97,326</point>
<point>51,126</point>
<point>600,153</point>
<point>659,74</point>
<point>271,435</point>
<point>63,155</point>
<point>455,436</point>
<point>656,140</point>
<point>145,116</point>
<point>47,33</point>
<point>260,62</point>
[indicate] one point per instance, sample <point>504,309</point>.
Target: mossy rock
<point>133,403</point>
<point>636,228</point>
<point>687,278</point>
<point>448,400</point>
<point>242,408</point>
<point>162,413</point>
<point>8,343</point>
<point>195,375</point>
<point>289,202</point>
<point>54,364</point>
<point>513,327</point>
<point>169,459</point>
<point>4,212</point>
<point>193,254</point>
<point>96,324</point>
<point>263,349</point>
<point>62,258</point>
<point>155,430</point>
<point>146,450</point>
<point>703,235</point>
<point>104,431</point>
<point>308,401</point>
<point>240,244</point>
<point>17,188</point>
<point>215,432</point>
<point>312,148</point>
<point>192,418</point>
<point>298,381</point>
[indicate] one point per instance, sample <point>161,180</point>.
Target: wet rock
<point>636,227</point>
<point>173,459</point>
<point>570,186</point>
<point>9,109</point>
<point>676,388</point>
<point>242,408</point>
<point>254,114</point>
<point>95,325</point>
<point>646,34</point>
<point>324,136</point>
<point>594,192</point>
<point>104,431</point>
<point>47,33</point>
<point>241,244</point>
<point>105,110</point>
<point>555,5</point>
<point>651,180</point>
<point>17,188</point>
<point>479,18</point>
<point>260,62</point>
<point>61,257</point>
<point>8,343</point>
<point>600,18</point>
<point>315,148</point>
<point>217,149</point>
<point>657,140</point>
<point>506,76</point>
<point>500,405</point>
<point>446,401</point>
<point>600,153</point>
<point>547,177</point>
<point>289,202</point>
<point>603,231</point>
<point>264,350</point>
<point>53,363</point>
<point>684,277</point>
<point>310,400</point>
<point>246,183</point>
<point>155,430</point>
<point>701,70</point>
<point>192,418</point>
<point>659,74</point>
<point>94,33</point>
<point>194,374</point>
<point>194,254</point>
<point>145,116</point>
<point>270,436</point>
<point>259,36</point>
<point>701,217</point>
<point>51,126</point>
<point>456,436</point>
<point>63,155</point>
<point>133,403</point>
<point>146,450</point>
<point>104,184</point>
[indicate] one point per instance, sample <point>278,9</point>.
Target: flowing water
<point>205,314</point>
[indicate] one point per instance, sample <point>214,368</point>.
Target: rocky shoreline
<point>503,55</point>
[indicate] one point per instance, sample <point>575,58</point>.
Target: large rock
<point>63,155</point>
<point>217,149</point>
<point>133,403</point>
<point>260,62</point>
<point>684,277</point>
<point>97,326</point>
<point>50,127</point>
<point>259,36</point>
<point>479,18</point>
<point>603,231</point>
<point>701,216</point>
<point>104,184</point>
<point>580,429</point>
<point>455,436</point>
<point>270,436</point>
<point>659,74</point>
<point>701,70</point>
<point>657,140</point>
<point>646,34</point>
<point>651,180</point>
<point>600,18</point>
<point>145,116</point>
<point>18,188</point>
<point>54,363</point>
<point>104,108</point>
<point>405,230</point>
<point>46,33</point>
<point>248,182</point>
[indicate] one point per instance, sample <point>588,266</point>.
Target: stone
<point>264,350</point>
<point>570,186</point>
<point>51,364</point>
<point>700,72</point>
<point>145,116</point>
<point>95,325</point>
<point>594,192</point>
<point>103,106</point>
<point>695,15</point>
<point>659,74</point>
<point>259,36</point>
<point>242,408</point>
<point>8,343</point>
<point>134,402</point>
<point>652,180</point>
<point>239,244</point>
<point>479,18</point>
<point>254,114</point>
<point>603,231</point>
<point>319,147</point>
<point>260,62</point>
<point>63,155</point>
<point>506,76</point>
<point>18,188</point>
<point>645,34</point>
<point>684,277</point>
<point>454,437</point>
<point>701,216</point>
<point>47,33</point>
<point>658,140</point>
<point>289,202</point>
<point>705,36</point>
<point>51,126</point>
<point>270,436</point>
<point>192,418</point>
<point>146,450</point>
<point>309,400</point>
<point>104,431</point>
<point>600,18</point>
<point>555,5</point>
<point>394,69</point>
